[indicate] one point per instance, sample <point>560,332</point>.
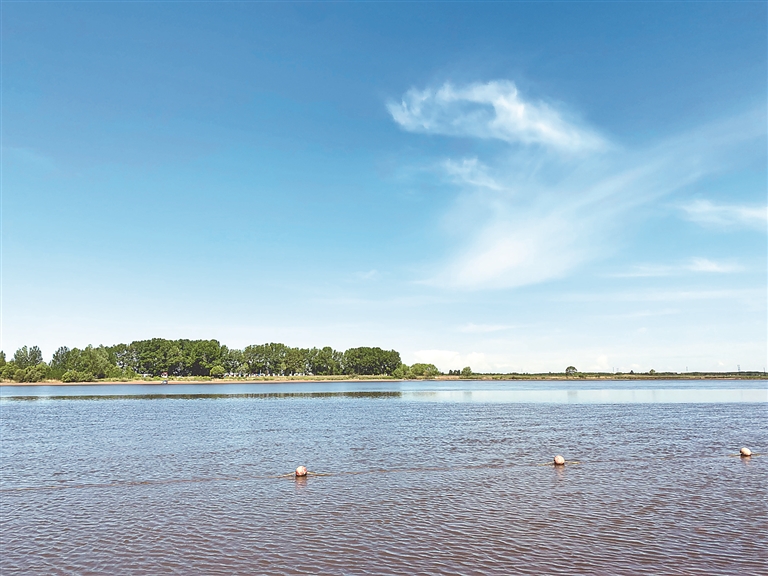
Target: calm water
<point>437,480</point>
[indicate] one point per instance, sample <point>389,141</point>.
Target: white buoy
<point>301,471</point>
<point>745,452</point>
<point>559,460</point>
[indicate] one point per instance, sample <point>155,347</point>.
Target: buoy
<point>301,471</point>
<point>745,452</point>
<point>559,460</point>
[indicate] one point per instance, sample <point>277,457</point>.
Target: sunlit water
<point>418,479</point>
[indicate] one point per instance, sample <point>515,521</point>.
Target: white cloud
<point>704,265</point>
<point>692,265</point>
<point>517,250</point>
<point>726,215</point>
<point>491,110</point>
<point>542,227</point>
<point>528,215</point>
<point>643,314</point>
<point>470,172</point>
<point>648,271</point>
<point>746,295</point>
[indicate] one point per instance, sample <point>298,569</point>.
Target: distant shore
<point>488,377</point>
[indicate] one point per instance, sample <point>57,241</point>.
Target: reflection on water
<point>410,482</point>
<point>608,396</point>
<point>653,396</point>
<point>468,387</point>
<point>268,396</point>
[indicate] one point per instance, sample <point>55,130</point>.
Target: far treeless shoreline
<point>475,377</point>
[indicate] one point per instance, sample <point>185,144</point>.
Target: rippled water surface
<point>192,485</point>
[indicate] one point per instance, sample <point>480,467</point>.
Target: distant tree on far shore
<point>217,372</point>
<point>421,370</point>
<point>197,358</point>
<point>571,371</point>
<point>370,361</point>
<point>26,357</point>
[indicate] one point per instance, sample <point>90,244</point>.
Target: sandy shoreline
<point>299,380</point>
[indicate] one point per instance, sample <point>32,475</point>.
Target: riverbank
<point>342,378</point>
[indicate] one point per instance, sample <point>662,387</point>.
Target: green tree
<point>466,372</point>
<point>371,361</point>
<point>174,359</point>
<point>571,371</point>
<point>36,373</point>
<point>177,357</point>
<point>275,356</point>
<point>201,356</point>
<point>75,376</point>
<point>26,357</point>
<point>217,371</point>
<point>8,371</point>
<point>93,361</point>
<point>401,372</point>
<point>151,356</point>
<point>324,362</point>
<point>254,357</point>
<point>198,358</point>
<point>125,357</point>
<point>59,362</point>
<point>296,361</point>
<point>423,371</point>
<point>269,359</point>
<point>232,360</point>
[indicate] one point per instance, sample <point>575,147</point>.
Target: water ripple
<point>198,486</point>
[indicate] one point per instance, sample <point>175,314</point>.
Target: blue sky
<point>511,186</point>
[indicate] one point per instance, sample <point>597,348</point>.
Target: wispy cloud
<point>483,328</point>
<point>692,265</point>
<point>529,214</point>
<point>726,215</point>
<point>747,295</point>
<point>705,265</point>
<point>643,314</point>
<point>470,172</point>
<point>491,110</point>
<point>369,275</point>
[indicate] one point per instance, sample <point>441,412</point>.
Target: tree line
<point>206,358</point>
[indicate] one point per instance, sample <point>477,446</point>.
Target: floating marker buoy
<point>559,460</point>
<point>301,471</point>
<point>745,452</point>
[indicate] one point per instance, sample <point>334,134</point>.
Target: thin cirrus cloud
<point>703,265</point>
<point>726,215</point>
<point>492,110</point>
<point>534,211</point>
<point>369,275</point>
<point>470,171</point>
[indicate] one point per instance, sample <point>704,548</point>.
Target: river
<point>408,478</point>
